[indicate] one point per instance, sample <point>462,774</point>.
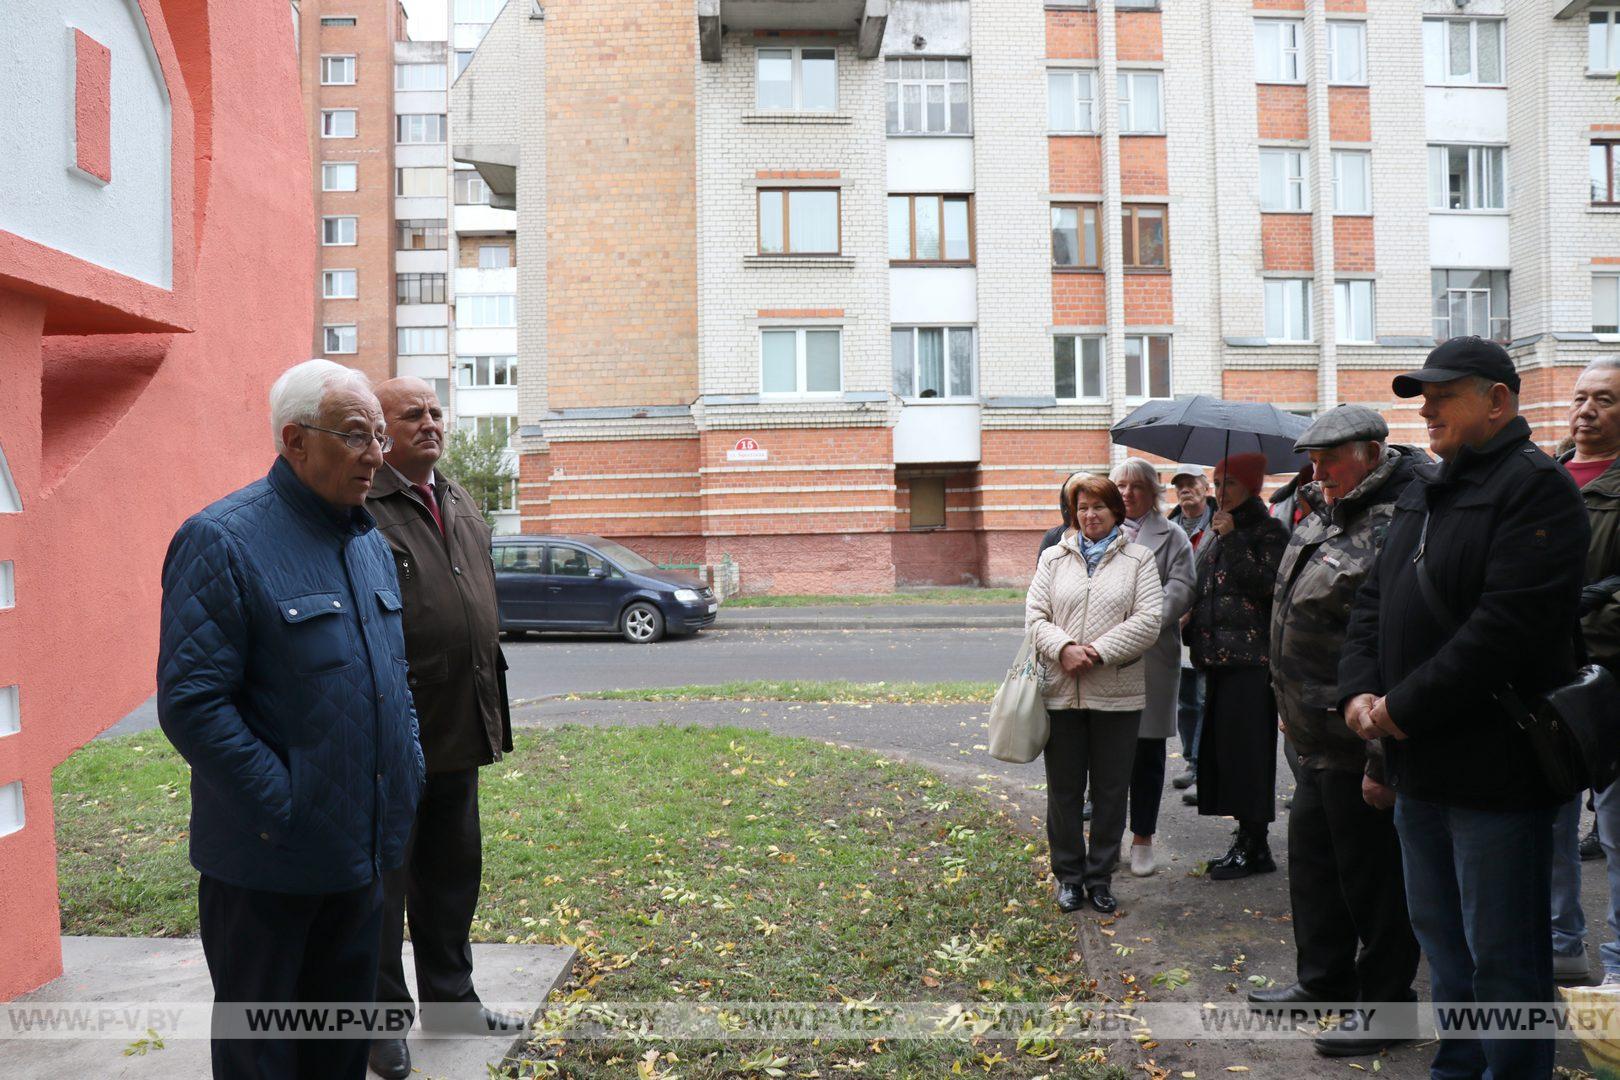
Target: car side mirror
<point>599,572</point>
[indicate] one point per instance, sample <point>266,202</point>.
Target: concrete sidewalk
<point>154,972</point>
<point>871,617</point>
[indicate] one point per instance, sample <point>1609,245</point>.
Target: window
<point>1140,5</point>
<point>1606,303</point>
<point>424,180</point>
<point>1603,40</point>
<point>1353,312</point>
<point>574,562</point>
<point>1143,237</point>
<point>800,362</point>
<point>927,97</point>
<point>1139,95</point>
<point>486,371</point>
<point>339,175</point>
<point>1288,309</point>
<point>795,79</point>
<point>1347,52</point>
<point>471,189</point>
<point>338,284</point>
<point>932,361</point>
<point>1077,368</point>
<point>1604,189</point>
<point>1074,235</point>
<point>798,221</point>
<point>422,339</point>
<point>419,77</point>
<point>1470,302</point>
<point>1462,51</point>
<point>931,228</point>
<point>1352,182</point>
<point>477,11</point>
<point>494,256</point>
<point>1466,178</point>
<point>419,288</point>
<point>520,559</point>
<point>340,338</point>
<point>337,123</point>
<point>483,310</point>
<point>421,234</point>
<point>1276,50</point>
<point>927,502</point>
<point>1147,366</point>
<point>337,71</point>
<point>1282,180</point>
<point>419,127</point>
<point>463,58</point>
<point>337,231</point>
<point>337,20</point>
<point>1070,100</point>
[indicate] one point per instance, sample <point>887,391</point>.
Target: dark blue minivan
<point>588,583</point>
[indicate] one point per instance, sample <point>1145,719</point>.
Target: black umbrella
<point>1203,430</point>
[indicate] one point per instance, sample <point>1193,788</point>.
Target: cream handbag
<point>1018,721</point>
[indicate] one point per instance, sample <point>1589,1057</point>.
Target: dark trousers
<point>1190,714</point>
<point>1344,877</point>
<point>437,888</point>
<point>1087,745</point>
<point>1478,886</point>
<point>1237,747</point>
<point>1147,785</point>
<point>281,947</point>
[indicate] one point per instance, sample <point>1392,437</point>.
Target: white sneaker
<point>1570,967</point>
<point>1142,864</point>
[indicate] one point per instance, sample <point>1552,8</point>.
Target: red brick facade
<point>1285,242</point>
<point>1282,112</point>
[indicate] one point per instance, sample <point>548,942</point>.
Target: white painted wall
<point>930,433</point>
<point>124,225</point>
<point>472,280</point>
<point>1468,240</point>
<point>422,315</point>
<point>486,342</point>
<point>930,164</point>
<point>419,101</point>
<point>1466,114</point>
<point>486,401</point>
<point>484,219</point>
<point>422,206</point>
<point>921,295</point>
<point>421,262</point>
<point>428,155</point>
<point>425,366</point>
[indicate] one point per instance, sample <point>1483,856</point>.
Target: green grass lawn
<point>686,865</point>
<point>817,691</point>
<point>924,596</point>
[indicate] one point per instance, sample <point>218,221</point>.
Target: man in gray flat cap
<point>1344,857</point>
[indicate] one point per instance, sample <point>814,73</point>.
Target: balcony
<point>863,18</point>
<point>929,434</point>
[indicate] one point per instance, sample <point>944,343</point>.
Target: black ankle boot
<point>1250,854</point>
<point>1233,853</point>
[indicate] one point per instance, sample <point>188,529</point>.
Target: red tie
<point>432,504</point>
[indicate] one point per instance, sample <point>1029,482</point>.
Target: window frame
<point>1131,236</point>
<point>1075,77</point>
<point>796,79</point>
<point>1611,39</point>
<point>1301,182</point>
<point>405,122</point>
<point>328,115</point>
<point>467,303</point>
<point>1472,79</point>
<point>399,340</point>
<point>506,249</point>
<point>338,20</point>
<point>354,230</point>
<point>1611,149</point>
<point>1491,318</point>
<point>1479,155</point>
<point>1127,101</point>
<point>353,170</point>
<point>947,333</point>
<point>462,180</point>
<point>913,259</point>
<point>413,281</point>
<point>1286,286</point>
<point>328,330</point>
<point>400,69</point>
<point>1145,358</point>
<point>1080,341</point>
<point>1081,210</point>
<point>352,67</point>
<point>1346,307</point>
<point>326,281</point>
<point>1283,53</point>
<point>1365,158</point>
<point>801,360</point>
<point>900,81</point>
<point>426,227</point>
<point>787,251</point>
<point>508,363</point>
<point>1335,27</point>
<point>417,171</point>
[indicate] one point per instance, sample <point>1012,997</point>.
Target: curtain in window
<point>813,221</point>
<point>961,362</point>
<point>821,361</point>
<point>930,363</point>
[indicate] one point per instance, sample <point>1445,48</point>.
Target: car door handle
<point>553,588</point>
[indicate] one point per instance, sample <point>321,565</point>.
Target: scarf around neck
<point>1092,550</point>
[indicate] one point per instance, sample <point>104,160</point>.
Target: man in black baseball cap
<point>1477,586</point>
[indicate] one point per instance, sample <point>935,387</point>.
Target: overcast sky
<point>426,19</point>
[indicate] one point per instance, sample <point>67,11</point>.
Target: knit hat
<point>1247,469</point>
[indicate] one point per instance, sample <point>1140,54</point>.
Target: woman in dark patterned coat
<point>1229,634</point>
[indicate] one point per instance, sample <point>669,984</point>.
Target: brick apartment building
<point>842,290</point>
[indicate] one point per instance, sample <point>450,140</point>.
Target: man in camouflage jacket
<point>1344,856</point>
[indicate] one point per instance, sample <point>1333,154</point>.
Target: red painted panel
<point>92,105</point>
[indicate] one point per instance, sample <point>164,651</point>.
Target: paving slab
<point>150,972</point>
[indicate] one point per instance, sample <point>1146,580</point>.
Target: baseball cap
<point>1188,470</point>
<point>1458,359</point>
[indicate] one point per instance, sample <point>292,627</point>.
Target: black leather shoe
<point>1350,1039</point>
<point>1185,780</point>
<point>1189,798</point>
<point>1292,994</point>
<point>1070,897</point>
<point>1246,857</point>
<point>1102,899</point>
<point>389,1058</point>
<point>1591,847</point>
<point>462,1020</point>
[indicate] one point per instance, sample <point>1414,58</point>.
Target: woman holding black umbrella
<point>1228,634</point>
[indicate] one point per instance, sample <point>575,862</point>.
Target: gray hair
<point>296,397</point>
<point>1602,363</point>
<point>1135,468</point>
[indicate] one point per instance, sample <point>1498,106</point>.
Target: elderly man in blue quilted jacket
<point>281,680</point>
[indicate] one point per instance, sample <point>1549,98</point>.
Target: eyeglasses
<point>356,440</point>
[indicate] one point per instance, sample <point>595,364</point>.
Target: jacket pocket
<point>432,669</point>
<point>317,633</point>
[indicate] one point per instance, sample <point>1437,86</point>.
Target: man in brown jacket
<point>441,548</point>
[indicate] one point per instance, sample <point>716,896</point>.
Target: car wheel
<point>642,623</point>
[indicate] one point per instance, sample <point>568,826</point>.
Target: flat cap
<point>1346,423</point>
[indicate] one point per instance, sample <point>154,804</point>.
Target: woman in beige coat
<point>1094,609</point>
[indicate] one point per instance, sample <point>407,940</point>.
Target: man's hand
<point>1376,795</point>
<point>1222,523</point>
<point>1074,659</point>
<point>1379,717</point>
<point>1355,715</point>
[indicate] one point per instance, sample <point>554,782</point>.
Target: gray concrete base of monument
<point>142,975</point>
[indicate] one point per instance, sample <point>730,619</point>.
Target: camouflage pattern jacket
<point>1328,557</point>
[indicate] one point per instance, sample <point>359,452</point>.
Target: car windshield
<point>625,558</point>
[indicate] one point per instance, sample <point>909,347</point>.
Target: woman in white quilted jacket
<point>1094,608</point>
